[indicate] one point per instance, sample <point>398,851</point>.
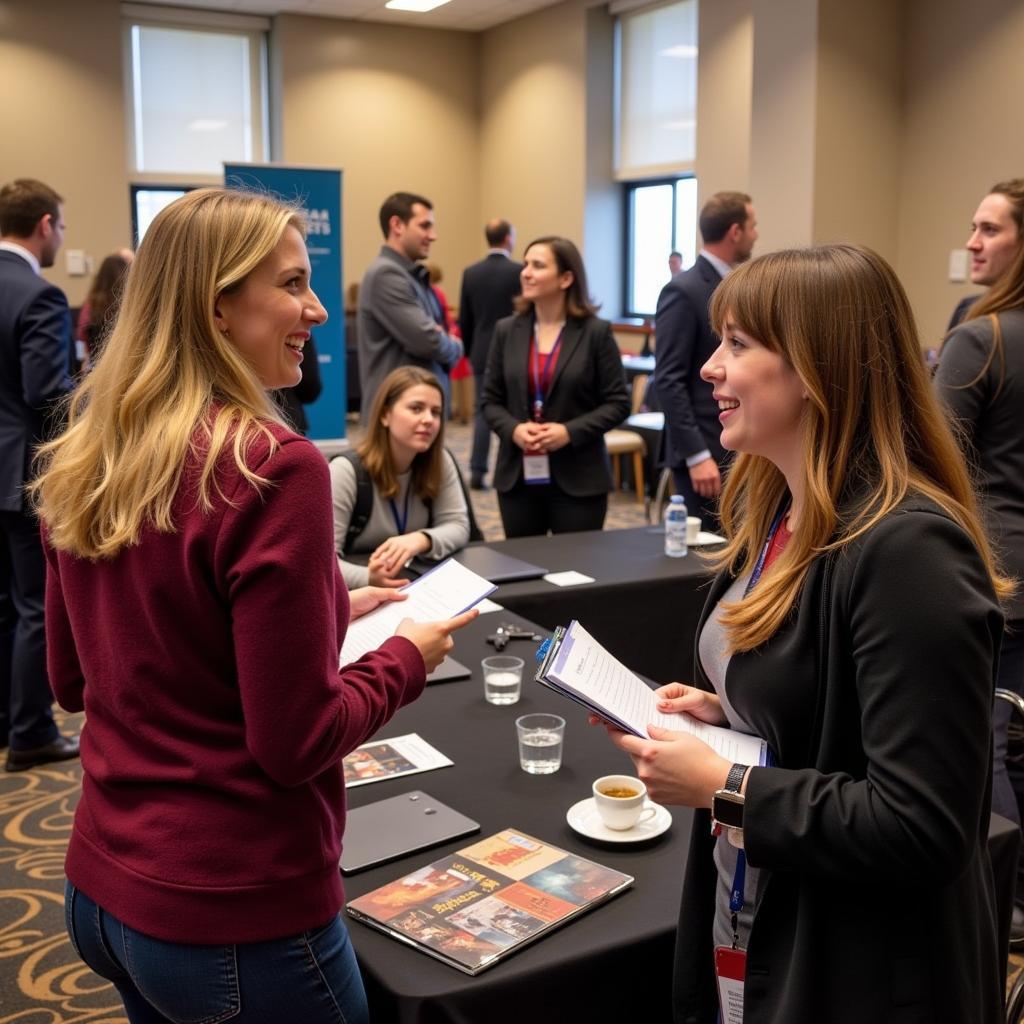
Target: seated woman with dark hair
<point>418,502</point>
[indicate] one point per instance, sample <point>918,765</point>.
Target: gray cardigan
<point>449,532</point>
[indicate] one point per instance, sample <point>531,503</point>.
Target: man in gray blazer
<point>400,318</point>
<point>684,340</point>
<point>35,331</point>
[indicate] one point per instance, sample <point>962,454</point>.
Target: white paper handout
<point>585,671</point>
<point>447,590</point>
<point>387,759</point>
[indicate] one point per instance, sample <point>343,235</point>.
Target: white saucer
<point>583,817</point>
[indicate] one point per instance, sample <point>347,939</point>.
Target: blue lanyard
<point>739,879</point>
<point>400,521</point>
<point>762,558</point>
<point>540,376</point>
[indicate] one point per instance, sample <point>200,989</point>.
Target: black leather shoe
<point>476,482</point>
<point>63,748</point>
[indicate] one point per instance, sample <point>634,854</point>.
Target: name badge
<point>730,972</point>
<point>536,468</point>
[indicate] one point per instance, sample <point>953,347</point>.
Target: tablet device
<point>497,567</point>
<point>448,671</point>
<point>392,828</point>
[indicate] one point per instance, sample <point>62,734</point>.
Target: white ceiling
<point>467,15</point>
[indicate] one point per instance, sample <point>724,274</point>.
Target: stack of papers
<point>448,589</point>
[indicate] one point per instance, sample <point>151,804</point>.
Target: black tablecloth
<point>577,972</point>
<point>643,605</point>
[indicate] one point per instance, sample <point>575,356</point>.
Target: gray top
<point>714,658</point>
<point>397,325</point>
<point>451,518</point>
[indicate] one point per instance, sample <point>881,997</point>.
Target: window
<point>147,202</point>
<point>197,88</point>
<point>661,217</point>
<point>656,87</point>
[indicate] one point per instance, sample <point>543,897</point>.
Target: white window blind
<point>197,99</point>
<point>657,79</point>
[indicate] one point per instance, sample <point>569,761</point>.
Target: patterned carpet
<point>42,981</point>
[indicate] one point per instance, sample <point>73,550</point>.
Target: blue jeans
<point>310,977</point>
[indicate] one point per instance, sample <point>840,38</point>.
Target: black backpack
<point>363,507</point>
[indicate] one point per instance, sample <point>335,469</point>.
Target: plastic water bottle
<point>675,527</point>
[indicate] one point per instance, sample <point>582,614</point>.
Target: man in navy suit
<point>35,332</point>
<point>488,288</point>
<point>684,341</point>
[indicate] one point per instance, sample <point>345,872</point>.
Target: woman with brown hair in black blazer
<point>554,385</point>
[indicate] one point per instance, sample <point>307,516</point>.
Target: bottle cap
<point>676,499</point>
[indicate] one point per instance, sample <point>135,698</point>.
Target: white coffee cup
<point>692,529</point>
<point>620,801</point>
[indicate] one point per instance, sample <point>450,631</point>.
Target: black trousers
<point>529,510</point>
<point>26,714</point>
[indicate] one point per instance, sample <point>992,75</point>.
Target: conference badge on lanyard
<point>730,973</point>
<point>537,465</point>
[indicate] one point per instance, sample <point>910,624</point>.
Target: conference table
<point>642,606</point>
<point>614,962</point>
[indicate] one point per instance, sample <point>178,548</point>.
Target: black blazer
<point>588,394</point>
<point>488,288</point>
<point>877,900</point>
<point>684,341</point>
<point>986,396</point>
<point>35,335</point>
<point>293,401</point>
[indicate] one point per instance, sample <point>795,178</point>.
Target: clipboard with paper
<point>578,667</point>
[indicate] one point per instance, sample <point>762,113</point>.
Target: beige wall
<point>533,122</point>
<point>724,97</point>
<point>858,124</point>
<point>962,133</point>
<point>396,108</point>
<point>64,121</point>
<point>783,114</point>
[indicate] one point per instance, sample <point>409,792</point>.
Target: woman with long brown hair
<point>417,505</point>
<point>854,625</point>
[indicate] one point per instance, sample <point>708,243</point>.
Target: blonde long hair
<point>169,386</point>
<point>872,428</point>
<point>375,448</point>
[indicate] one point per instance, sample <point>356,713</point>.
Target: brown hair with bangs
<point>873,430</point>
<point>375,449</point>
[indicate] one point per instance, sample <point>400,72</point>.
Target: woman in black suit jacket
<point>854,625</point>
<point>554,386</point>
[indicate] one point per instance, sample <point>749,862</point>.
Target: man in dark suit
<point>35,332</point>
<point>684,340</point>
<point>488,288</point>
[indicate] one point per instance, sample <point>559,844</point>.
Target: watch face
<point>727,809</point>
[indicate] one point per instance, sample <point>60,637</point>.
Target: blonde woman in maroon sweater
<point>195,611</point>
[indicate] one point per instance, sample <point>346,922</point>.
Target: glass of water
<point>503,677</point>
<point>540,743</point>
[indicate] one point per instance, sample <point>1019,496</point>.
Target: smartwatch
<point>727,805</point>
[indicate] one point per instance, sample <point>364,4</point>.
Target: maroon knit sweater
<point>213,800</point>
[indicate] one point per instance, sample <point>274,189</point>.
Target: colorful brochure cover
<point>472,908</point>
<point>389,759</point>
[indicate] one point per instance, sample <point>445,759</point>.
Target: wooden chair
<point>626,442</point>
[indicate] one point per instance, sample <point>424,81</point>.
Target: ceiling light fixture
<point>419,6</point>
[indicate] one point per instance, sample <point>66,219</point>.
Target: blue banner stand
<point>318,192</point>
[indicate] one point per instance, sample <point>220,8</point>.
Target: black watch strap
<point>735,778</point>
